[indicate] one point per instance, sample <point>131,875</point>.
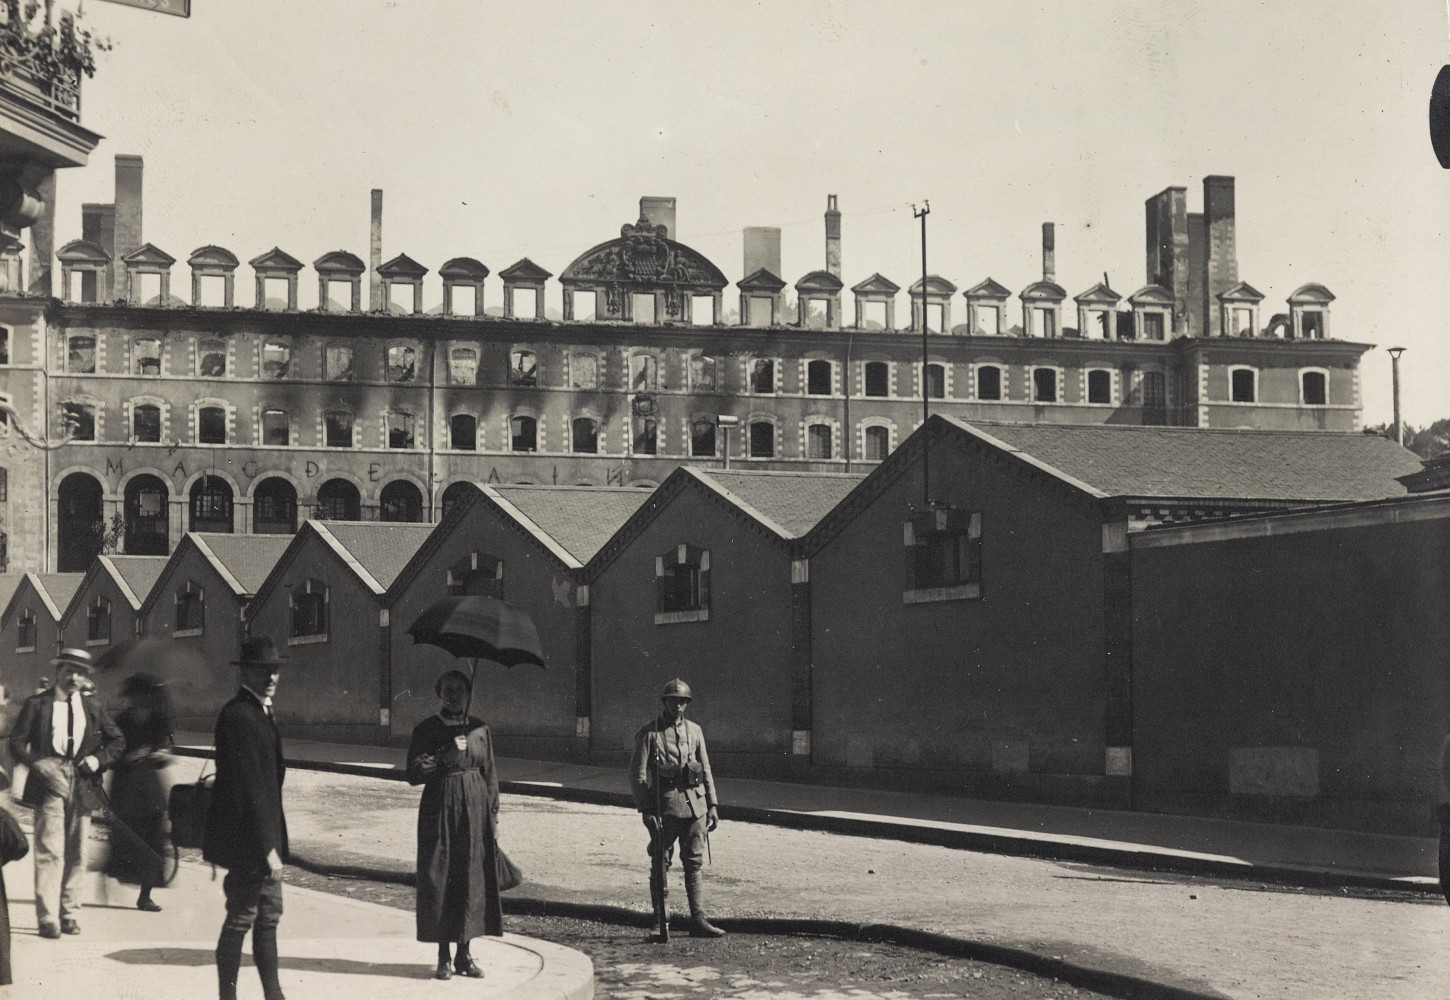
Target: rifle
<point>662,912</point>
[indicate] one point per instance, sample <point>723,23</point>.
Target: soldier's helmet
<point>676,689</point>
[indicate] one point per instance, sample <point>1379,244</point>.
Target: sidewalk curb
<point>986,843</point>
<point>1115,984</point>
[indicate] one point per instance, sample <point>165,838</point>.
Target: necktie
<point>70,729</point>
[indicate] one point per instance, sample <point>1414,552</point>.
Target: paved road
<point>1236,940</point>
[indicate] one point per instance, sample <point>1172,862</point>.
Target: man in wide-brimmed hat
<point>246,832</point>
<point>66,741</point>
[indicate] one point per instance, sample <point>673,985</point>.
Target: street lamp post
<point>921,213</point>
<point>725,421</point>
<point>1395,353</point>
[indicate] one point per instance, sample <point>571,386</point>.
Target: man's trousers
<point>60,839</point>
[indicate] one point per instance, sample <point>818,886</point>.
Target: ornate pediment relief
<point>82,252</point>
<point>1043,291</point>
<point>339,262</point>
<point>463,268</point>
<point>276,260</point>
<point>876,285</point>
<point>149,253</point>
<point>644,257</point>
<point>988,289</point>
<point>402,266</point>
<point>819,281</point>
<point>212,256</point>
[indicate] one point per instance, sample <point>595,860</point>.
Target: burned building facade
<point>200,413</point>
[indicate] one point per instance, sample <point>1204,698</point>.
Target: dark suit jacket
<point>245,819</point>
<point>30,740</point>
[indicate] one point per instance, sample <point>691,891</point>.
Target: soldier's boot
<point>659,895</point>
<point>229,962</point>
<point>264,953</point>
<point>700,925</point>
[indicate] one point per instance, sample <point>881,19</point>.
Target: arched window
<point>523,368</point>
<point>878,443</point>
<point>274,507</point>
<point>402,363</point>
<point>211,358</point>
<point>276,428</point>
<point>878,378</point>
<point>702,438</point>
<point>523,434</point>
<point>81,354</point>
<point>463,432</point>
<point>147,356</point>
<point>147,531</point>
<point>401,501</point>
<point>81,522</point>
<point>1044,385</point>
<point>819,441</point>
<point>476,573</point>
<point>1099,386</point>
<point>276,359</point>
<point>762,439</point>
<point>936,381</point>
<point>337,427</point>
<point>98,622</point>
<point>146,423</point>
<point>989,382</point>
<point>585,436</point>
<point>819,380</point>
<point>338,500</point>
<point>309,611</point>
<point>453,495</point>
<point>211,505</point>
<point>211,425</point>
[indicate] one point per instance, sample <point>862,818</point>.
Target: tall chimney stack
<point>762,249</point>
<point>659,211</point>
<point>375,253</point>
<point>128,216</point>
<point>833,236</point>
<point>1049,253</point>
<point>98,226</point>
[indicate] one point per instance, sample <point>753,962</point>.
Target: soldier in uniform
<point>675,792</point>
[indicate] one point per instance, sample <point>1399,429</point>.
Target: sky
<point>531,129</point>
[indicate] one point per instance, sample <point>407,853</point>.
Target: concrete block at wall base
<point>1285,771</point>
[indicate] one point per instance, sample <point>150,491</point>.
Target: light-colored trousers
<point>60,839</point>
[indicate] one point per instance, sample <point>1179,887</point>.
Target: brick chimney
<point>128,216</point>
<point>1221,256</point>
<point>833,236</point>
<point>1049,253</point>
<point>375,253</point>
<point>659,211</point>
<point>762,249</point>
<point>98,226</point>
<point>1167,246</point>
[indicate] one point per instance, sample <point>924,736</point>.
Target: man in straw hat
<point>246,832</point>
<point>66,741</point>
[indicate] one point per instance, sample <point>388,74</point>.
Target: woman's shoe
<point>443,971</point>
<point>149,905</point>
<point>468,967</point>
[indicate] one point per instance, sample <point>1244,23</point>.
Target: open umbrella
<point>480,628</point>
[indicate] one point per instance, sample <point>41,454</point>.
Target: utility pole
<point>922,213</point>
<point>1395,353</point>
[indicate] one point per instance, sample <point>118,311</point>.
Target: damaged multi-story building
<point>211,407</point>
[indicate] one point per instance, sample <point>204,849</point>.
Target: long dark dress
<point>458,891</point>
<point>13,847</point>
<point>138,799</point>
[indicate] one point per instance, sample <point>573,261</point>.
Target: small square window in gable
<point>943,547</point>
<point>682,585</point>
<point>476,574</point>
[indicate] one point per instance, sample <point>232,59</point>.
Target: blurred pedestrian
<point>246,831</point>
<point>138,788</point>
<point>675,792</point>
<point>66,741</point>
<point>13,847</point>
<point>451,756</point>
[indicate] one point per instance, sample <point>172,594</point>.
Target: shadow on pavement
<point>197,957</point>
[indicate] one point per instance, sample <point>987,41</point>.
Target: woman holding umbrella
<point>138,793</point>
<point>451,756</point>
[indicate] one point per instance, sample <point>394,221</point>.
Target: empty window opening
<point>339,296</point>
<point>762,439</point>
<point>702,374</point>
<point>584,371</point>
<point>1044,385</point>
<point>276,359</point>
<point>989,382</point>
<point>642,308</point>
<point>1312,324</point>
<point>146,423</point>
<point>762,375</point>
<point>462,300</point>
<point>463,432</point>
<point>819,378</point>
<point>702,310</point>
<point>147,357</point>
<point>523,434</point>
<point>817,313</point>
<point>1101,324</point>
<point>463,366</point>
<point>526,303</point>
<point>1046,322</point>
<point>646,436</point>
<point>762,311</point>
<point>873,314</point>
<point>935,317</point>
<point>1100,386</point>
<point>878,443</point>
<point>400,429</point>
<point>702,438</point>
<point>338,429</point>
<point>585,305</point>
<point>936,382</point>
<point>1153,326</point>
<point>402,363</point>
<point>1242,385</point>
<point>211,425</point>
<point>80,419</point>
<point>989,321</point>
<point>1243,323</point>
<point>276,293</point>
<point>644,373</point>
<point>878,378</point>
<point>275,428</point>
<point>211,290</point>
<point>337,363</point>
<point>523,368</point>
<point>81,354</point>
<point>4,346</point>
<point>585,436</point>
<point>148,288</point>
<point>1314,389</point>
<point>211,359</point>
<point>402,298</point>
<point>819,442</point>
